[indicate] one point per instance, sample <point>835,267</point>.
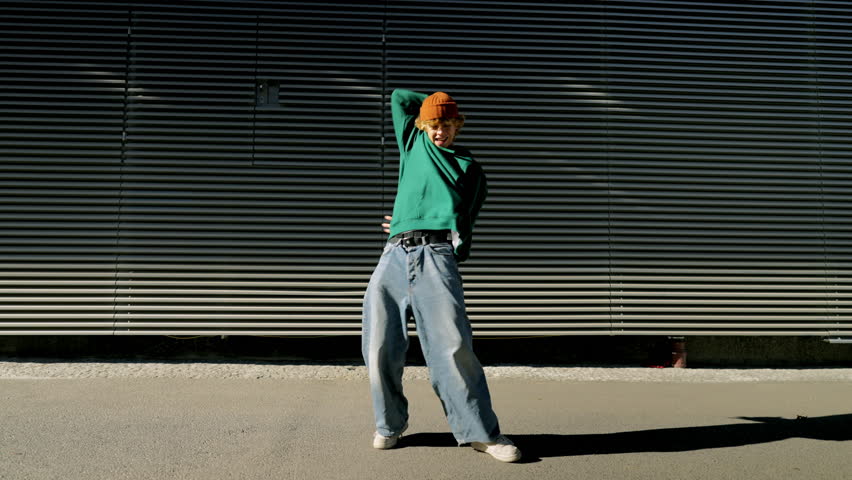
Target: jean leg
<point>384,341</point>
<point>447,343</point>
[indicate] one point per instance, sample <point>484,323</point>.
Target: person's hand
<point>386,226</point>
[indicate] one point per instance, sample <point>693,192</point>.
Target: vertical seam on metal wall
<point>815,71</point>
<point>607,146</point>
<point>126,109</point>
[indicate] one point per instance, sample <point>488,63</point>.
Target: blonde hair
<point>457,122</point>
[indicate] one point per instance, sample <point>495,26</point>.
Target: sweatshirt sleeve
<point>480,191</point>
<point>477,188</point>
<point>405,107</point>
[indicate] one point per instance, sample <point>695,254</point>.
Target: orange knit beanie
<point>438,105</point>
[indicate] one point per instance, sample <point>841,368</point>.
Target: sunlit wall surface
<point>217,167</point>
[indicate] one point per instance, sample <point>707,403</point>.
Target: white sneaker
<point>383,443</point>
<point>503,449</point>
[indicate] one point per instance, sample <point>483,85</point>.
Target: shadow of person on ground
<point>761,430</point>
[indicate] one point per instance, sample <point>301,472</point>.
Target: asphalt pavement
<point>180,427</point>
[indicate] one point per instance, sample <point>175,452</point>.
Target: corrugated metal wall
<point>716,218</point>
<point>252,183</point>
<point>63,72</point>
<point>220,167</point>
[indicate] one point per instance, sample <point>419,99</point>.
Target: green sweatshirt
<point>439,188</point>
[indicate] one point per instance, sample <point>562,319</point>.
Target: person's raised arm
<point>405,106</point>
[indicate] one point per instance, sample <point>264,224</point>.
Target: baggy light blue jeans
<point>424,282</point>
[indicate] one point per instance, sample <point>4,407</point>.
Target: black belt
<point>413,238</point>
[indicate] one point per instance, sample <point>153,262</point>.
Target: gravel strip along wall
<point>35,370</point>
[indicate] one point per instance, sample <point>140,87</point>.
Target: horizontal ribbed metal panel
<point>714,169</point>
<point>62,72</point>
<point>659,168</point>
<point>247,211</point>
<point>832,38</point>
